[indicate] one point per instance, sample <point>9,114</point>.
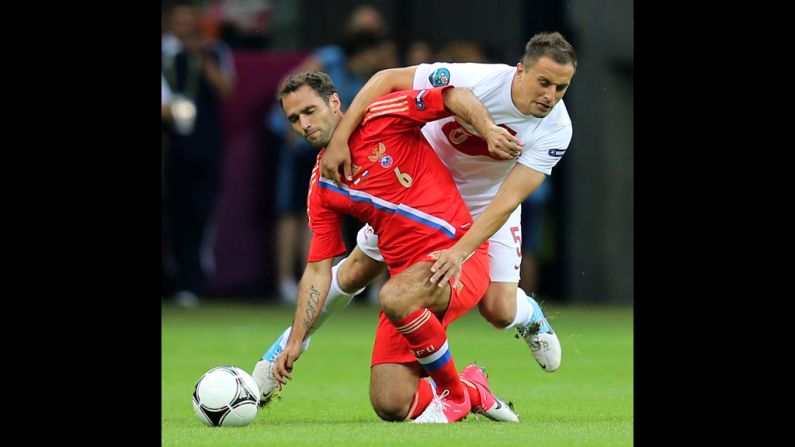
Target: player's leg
<point>362,266</point>
<point>393,389</point>
<point>412,308</point>
<point>506,306</point>
<point>496,308</point>
<point>350,274</point>
<point>410,305</point>
<point>399,392</point>
<point>395,346</point>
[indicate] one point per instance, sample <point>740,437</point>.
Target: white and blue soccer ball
<point>226,396</point>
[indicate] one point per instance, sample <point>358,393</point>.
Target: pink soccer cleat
<point>491,406</point>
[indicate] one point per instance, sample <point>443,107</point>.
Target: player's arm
<point>325,225</point>
<point>464,104</point>
<point>337,152</point>
<point>518,185</point>
<point>312,292</point>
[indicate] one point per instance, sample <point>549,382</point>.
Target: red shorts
<point>391,346</point>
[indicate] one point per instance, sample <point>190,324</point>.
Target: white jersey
<point>477,174</point>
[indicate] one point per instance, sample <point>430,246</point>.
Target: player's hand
<point>502,144</point>
<point>336,155</point>
<point>282,369</point>
<point>448,265</point>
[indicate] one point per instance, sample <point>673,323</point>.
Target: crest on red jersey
<point>378,153</point>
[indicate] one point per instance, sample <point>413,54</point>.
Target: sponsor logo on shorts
<point>556,152</point>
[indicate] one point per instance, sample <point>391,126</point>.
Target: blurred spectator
<point>533,211</point>
<point>165,97</point>
<point>463,51</point>
<point>351,64</point>
<point>295,159</point>
<point>365,50</point>
<point>165,108</point>
<point>199,74</point>
<point>418,51</point>
<point>366,18</point>
<point>165,116</point>
<point>242,24</point>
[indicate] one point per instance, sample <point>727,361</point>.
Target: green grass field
<point>587,402</point>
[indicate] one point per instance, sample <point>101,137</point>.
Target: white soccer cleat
<point>545,347</point>
<point>501,412</point>
<point>542,340</point>
<point>263,370</point>
<point>263,377</point>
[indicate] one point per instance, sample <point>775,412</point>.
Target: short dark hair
<point>317,80</point>
<point>552,45</point>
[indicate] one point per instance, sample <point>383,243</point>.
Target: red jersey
<point>400,186</point>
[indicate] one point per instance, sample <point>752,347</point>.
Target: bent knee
<point>498,306</point>
<point>391,302</point>
<point>389,409</point>
<point>389,414</point>
<point>397,301</point>
<point>356,274</point>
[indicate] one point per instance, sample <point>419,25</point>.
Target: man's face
<point>310,116</point>
<point>539,88</point>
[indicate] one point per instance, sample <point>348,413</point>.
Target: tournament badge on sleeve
<point>440,77</point>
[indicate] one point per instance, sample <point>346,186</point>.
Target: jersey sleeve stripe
<point>384,112</point>
<point>387,106</point>
<point>390,100</point>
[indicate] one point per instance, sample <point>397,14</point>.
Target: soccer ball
<point>226,396</point>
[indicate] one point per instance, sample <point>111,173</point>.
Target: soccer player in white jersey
<point>526,100</point>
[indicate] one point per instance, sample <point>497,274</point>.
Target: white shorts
<point>505,248</point>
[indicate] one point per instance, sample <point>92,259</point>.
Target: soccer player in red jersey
<point>401,189</point>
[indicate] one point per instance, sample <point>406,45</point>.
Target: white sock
<point>335,285</point>
<point>523,310</point>
<point>286,336</point>
<point>336,299</point>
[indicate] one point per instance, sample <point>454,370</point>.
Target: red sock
<point>474,395</point>
<point>428,342</point>
<point>422,398</point>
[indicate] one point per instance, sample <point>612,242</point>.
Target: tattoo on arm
<point>311,309</point>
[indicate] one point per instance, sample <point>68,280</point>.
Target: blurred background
<point>234,178</point>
